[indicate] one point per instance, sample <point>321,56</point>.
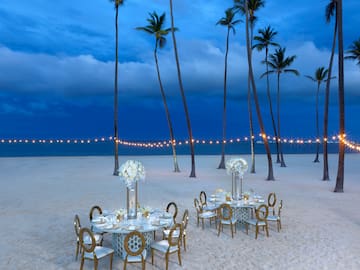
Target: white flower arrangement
<point>236,165</point>
<point>131,172</point>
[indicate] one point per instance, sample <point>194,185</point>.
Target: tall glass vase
<point>132,201</point>
<point>236,187</point>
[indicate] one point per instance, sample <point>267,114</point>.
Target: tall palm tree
<point>117,3</point>
<point>339,187</point>
<point>251,7</point>
<point>264,40</point>
<point>279,64</point>
<point>191,140</point>
<point>329,12</point>
<point>229,22</point>
<point>354,51</point>
<point>320,76</point>
<point>155,27</point>
<point>256,100</point>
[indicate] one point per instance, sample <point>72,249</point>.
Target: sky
<point>57,69</point>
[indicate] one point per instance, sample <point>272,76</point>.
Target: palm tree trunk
<point>326,109</point>
<point>116,132</point>
<point>282,161</point>
<point>317,125</point>
<point>191,140</point>
<point>251,123</point>
<point>168,118</point>
<point>261,124</point>
<point>270,105</point>
<point>222,161</point>
<point>339,187</point>
<point>251,127</point>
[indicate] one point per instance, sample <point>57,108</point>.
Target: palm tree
<point>192,151</point>
<point>116,109</point>
<point>279,64</point>
<point>229,22</point>
<point>155,27</point>
<point>354,52</point>
<point>264,40</point>
<point>329,12</point>
<point>339,187</point>
<point>256,100</point>
<point>320,75</point>
<point>251,7</point>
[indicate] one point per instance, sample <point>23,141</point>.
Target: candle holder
<point>132,201</point>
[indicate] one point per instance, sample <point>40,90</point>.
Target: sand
<point>40,195</point>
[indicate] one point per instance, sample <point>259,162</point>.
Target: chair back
<point>77,225</point>
<point>225,212</point>
<point>197,206</point>
<point>134,243</point>
<point>94,209</point>
<point>185,219</point>
<point>175,240</point>
<point>280,207</point>
<point>272,199</point>
<point>203,198</point>
<point>262,212</point>
<point>173,209</point>
<point>87,248</point>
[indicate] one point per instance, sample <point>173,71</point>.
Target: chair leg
<point>77,251</point>
<point>184,240</point>
<point>125,265</point>
<point>82,263</point>
<point>247,228</point>
<point>267,230</point>
<point>232,231</point>
<point>111,260</point>
<point>179,256</point>
<point>95,264</point>
<point>256,231</point>
<point>219,228</point>
<point>152,256</point>
<point>167,260</point>
<point>202,220</point>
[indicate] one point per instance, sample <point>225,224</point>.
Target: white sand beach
<point>39,197</point>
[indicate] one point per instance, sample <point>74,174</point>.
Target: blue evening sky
<point>57,69</point>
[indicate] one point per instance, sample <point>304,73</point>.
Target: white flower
<point>236,165</point>
<point>131,172</point>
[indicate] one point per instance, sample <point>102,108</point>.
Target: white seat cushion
<point>273,218</point>
<point>163,246</point>
<point>254,221</point>
<point>207,214</point>
<point>135,258</point>
<point>210,207</point>
<point>100,252</point>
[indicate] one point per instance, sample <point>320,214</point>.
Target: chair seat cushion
<point>273,218</point>
<point>254,221</point>
<point>207,214</point>
<point>135,258</point>
<point>100,252</point>
<point>210,207</point>
<point>163,246</point>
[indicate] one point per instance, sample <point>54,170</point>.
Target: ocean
<point>22,149</point>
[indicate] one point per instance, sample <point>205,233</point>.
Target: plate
<point>166,216</point>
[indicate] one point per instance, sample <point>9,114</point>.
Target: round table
<point>157,220</point>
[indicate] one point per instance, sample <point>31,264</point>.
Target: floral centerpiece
<point>119,214</point>
<point>236,167</point>
<point>131,172</point>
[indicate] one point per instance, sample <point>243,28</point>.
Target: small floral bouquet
<point>119,214</point>
<point>236,165</point>
<point>246,195</point>
<point>131,172</point>
<point>145,211</point>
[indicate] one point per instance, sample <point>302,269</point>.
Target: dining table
<point>156,219</point>
<point>242,209</point>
